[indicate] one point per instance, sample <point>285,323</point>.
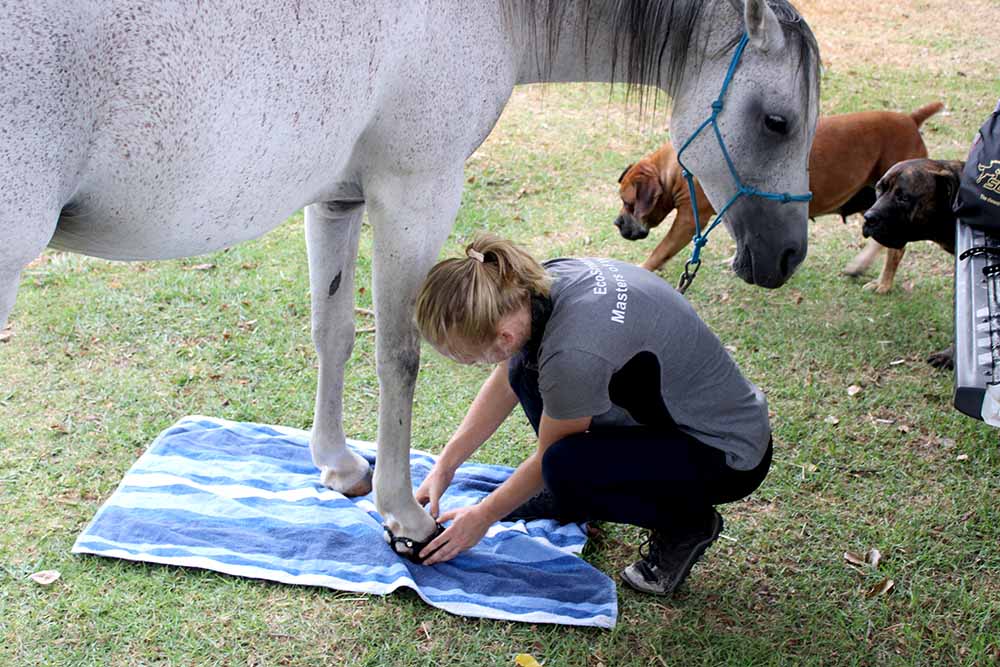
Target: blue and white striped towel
<point>245,499</point>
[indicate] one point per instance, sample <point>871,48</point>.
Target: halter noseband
<point>700,239</point>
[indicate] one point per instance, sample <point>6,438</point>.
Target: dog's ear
<point>945,186</point>
<point>647,193</point>
<point>763,27</point>
<point>622,177</point>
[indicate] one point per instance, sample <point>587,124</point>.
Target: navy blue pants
<point>653,475</point>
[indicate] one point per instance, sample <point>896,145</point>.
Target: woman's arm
<point>492,405</point>
<point>489,409</point>
<point>526,481</point>
<point>471,523</point>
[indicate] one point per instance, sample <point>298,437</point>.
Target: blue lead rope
<point>701,238</point>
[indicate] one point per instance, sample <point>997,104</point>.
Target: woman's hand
<point>469,524</point>
<point>433,487</point>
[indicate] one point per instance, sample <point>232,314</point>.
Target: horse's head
<point>768,120</point>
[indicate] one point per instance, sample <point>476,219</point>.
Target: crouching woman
<point>641,415</point>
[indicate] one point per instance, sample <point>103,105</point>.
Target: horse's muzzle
<point>769,272</point>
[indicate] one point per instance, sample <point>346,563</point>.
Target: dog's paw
<point>945,359</point>
<point>877,286</point>
<point>855,268</point>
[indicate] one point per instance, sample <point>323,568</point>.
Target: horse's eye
<point>777,124</point>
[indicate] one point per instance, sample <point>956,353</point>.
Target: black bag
<point>978,200</point>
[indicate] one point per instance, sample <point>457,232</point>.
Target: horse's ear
<point>763,26</point>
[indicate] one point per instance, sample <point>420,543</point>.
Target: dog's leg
<point>680,235</point>
<point>884,282</point>
<point>864,259</point>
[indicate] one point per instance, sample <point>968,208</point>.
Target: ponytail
<point>466,297</point>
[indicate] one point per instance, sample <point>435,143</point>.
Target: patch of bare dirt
<point>934,35</point>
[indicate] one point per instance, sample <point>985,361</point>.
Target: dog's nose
<point>618,222</point>
<point>869,224</point>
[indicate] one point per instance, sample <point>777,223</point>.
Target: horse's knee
<point>333,340</point>
<point>401,357</point>
<point>403,364</point>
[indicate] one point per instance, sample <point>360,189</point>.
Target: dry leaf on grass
<point>872,558</point>
<point>962,457</point>
<point>200,267</point>
<point>880,588</point>
<point>854,559</point>
<point>832,420</point>
<point>45,577</point>
<point>853,390</point>
<point>525,660</point>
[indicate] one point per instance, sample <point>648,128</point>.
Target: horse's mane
<point>653,37</point>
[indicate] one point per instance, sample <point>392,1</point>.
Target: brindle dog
<point>914,203</point>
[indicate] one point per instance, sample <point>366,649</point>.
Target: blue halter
<point>701,238</point>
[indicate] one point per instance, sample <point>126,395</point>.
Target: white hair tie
<point>476,255</point>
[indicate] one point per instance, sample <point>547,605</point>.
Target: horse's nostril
<point>787,261</point>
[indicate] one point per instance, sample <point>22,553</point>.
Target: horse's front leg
<point>411,217</point>
<point>332,230</point>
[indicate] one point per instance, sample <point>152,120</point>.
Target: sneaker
<point>667,562</point>
<point>540,506</point>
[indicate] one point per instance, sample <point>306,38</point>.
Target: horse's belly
<point>201,183</point>
<point>240,119</point>
<point>132,228</point>
<point>139,235</point>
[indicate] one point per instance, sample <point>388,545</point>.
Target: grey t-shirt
<point>604,312</point>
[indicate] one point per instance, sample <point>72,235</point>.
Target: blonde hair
<point>466,297</point>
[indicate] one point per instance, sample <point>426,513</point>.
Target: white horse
<point>159,129</point>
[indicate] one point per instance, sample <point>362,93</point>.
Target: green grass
<point>106,355</point>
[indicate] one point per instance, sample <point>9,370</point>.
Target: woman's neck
<point>540,309</point>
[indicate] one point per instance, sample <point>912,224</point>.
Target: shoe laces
<point>651,548</point>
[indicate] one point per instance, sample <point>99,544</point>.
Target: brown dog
<point>849,154</point>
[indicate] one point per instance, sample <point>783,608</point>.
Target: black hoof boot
<point>409,548</point>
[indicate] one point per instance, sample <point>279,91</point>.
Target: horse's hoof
<point>359,487</point>
<point>409,548</point>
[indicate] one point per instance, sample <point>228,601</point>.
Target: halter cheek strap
<point>701,238</point>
